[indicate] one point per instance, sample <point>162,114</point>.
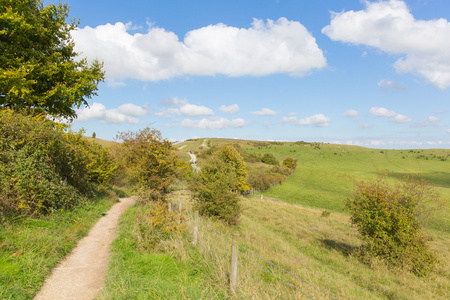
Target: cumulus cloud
<point>431,121</point>
<point>231,109</point>
<point>398,118</point>
<point>317,120</point>
<point>366,125</point>
<point>390,27</point>
<point>388,85</point>
<point>192,110</point>
<point>448,130</point>
<point>284,46</point>
<point>265,112</point>
<point>213,123</point>
<point>394,117</point>
<point>173,102</point>
<point>351,113</point>
<point>168,113</point>
<point>126,113</point>
<point>382,112</point>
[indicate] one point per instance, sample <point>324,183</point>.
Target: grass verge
<point>174,270</point>
<point>31,247</point>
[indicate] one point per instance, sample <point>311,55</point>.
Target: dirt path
<point>82,274</point>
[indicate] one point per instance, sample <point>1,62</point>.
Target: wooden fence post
<point>180,207</point>
<point>195,241</point>
<point>234,263</point>
<point>169,206</point>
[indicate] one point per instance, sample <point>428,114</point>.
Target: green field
<point>292,232</point>
<point>325,173</point>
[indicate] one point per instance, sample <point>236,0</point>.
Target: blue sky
<point>368,73</point>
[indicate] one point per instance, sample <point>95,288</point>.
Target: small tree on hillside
<point>221,175</point>
<point>390,221</point>
<point>230,156</point>
<point>149,162</point>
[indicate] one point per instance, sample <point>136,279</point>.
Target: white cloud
<point>213,123</point>
<point>284,46</point>
<point>317,120</point>
<point>231,109</point>
<point>390,27</point>
<point>168,113</point>
<point>350,113</point>
<point>366,125</point>
<point>394,117</point>
<point>398,118</point>
<point>173,102</point>
<point>448,130</point>
<point>192,110</point>
<point>382,112</point>
<point>265,112</point>
<point>388,85</point>
<point>126,113</point>
<point>433,119</point>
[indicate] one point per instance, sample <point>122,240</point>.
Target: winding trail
<point>81,275</point>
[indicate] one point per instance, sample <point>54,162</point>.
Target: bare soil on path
<point>81,275</point>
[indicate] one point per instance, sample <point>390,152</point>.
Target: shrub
<point>154,224</point>
<point>290,162</point>
<point>148,161</point>
<point>41,167</point>
<point>390,221</point>
<point>213,191</point>
<point>269,159</point>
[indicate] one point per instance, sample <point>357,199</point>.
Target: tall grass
<point>274,237</point>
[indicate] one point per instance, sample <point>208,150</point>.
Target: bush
<point>42,168</point>
<point>290,162</point>
<point>213,190</point>
<point>154,224</point>
<point>269,159</point>
<point>390,220</point>
<point>148,161</point>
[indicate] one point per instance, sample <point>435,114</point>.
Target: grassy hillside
<point>293,233</point>
<point>325,173</point>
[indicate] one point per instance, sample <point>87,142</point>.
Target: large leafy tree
<point>39,68</point>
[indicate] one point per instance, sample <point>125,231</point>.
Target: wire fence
<point>269,280</point>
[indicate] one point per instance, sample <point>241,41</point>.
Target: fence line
<point>223,237</point>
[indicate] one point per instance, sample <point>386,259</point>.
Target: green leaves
<point>389,222</point>
<point>38,66</point>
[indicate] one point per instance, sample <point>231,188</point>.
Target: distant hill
<point>325,173</point>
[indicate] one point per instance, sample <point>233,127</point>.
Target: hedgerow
<point>43,168</point>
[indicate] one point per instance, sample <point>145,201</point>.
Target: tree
<point>39,69</point>
<point>390,221</point>
<point>149,161</point>
<point>229,155</point>
<point>213,191</point>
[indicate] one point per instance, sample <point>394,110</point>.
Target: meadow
<point>305,231</point>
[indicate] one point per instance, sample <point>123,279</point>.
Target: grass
<point>174,271</point>
<point>31,247</point>
<point>310,244</point>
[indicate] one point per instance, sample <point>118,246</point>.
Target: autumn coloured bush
<point>390,220</point>
<point>147,159</point>
<point>154,223</point>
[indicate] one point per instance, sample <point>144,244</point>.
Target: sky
<point>367,73</point>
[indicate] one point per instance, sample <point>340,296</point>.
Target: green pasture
<point>326,173</point>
